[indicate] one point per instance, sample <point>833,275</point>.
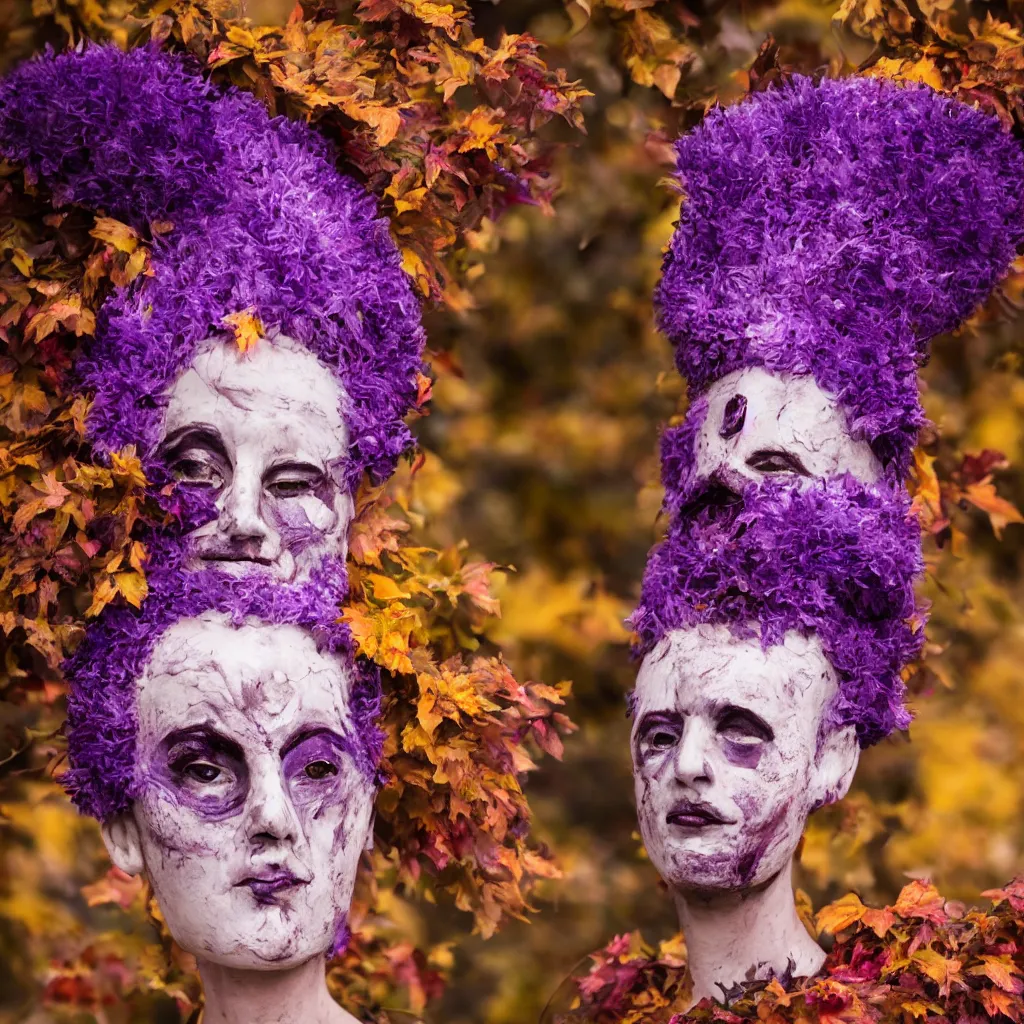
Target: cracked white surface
<point>730,756</point>
<point>252,815</point>
<point>263,433</point>
<point>789,426</point>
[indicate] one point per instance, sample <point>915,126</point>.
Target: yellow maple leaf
<point>121,236</point>
<point>843,913</point>
<point>246,328</point>
<point>132,586</point>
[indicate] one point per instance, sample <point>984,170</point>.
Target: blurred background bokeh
<point>551,387</point>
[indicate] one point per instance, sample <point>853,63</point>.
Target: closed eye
<point>294,480</point>
<point>743,726</point>
<point>766,460</point>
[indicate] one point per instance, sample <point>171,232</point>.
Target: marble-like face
<point>728,756</point>
<point>262,431</point>
<point>759,423</point>
<point>253,813</point>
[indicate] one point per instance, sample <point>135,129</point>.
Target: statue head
<point>773,633</point>
<point>253,234</point>
<point>229,749</point>
<point>262,436</point>
<point>732,749</point>
<point>830,229</point>
<point>752,424</point>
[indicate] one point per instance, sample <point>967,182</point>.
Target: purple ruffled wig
<point>103,778</point>
<point>262,219</point>
<point>837,559</point>
<point>834,228</point>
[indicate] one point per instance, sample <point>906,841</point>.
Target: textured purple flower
<point>103,777</point>
<point>837,559</point>
<point>262,219</point>
<point>834,229</point>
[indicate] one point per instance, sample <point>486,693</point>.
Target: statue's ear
<point>121,838</point>
<point>835,765</point>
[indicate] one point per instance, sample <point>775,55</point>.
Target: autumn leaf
<point>844,912</point>
<point>921,900</point>
<point>1000,511</point>
<point>246,328</point>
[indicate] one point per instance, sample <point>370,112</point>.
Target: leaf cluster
<point>442,126</point>
<point>922,958</point>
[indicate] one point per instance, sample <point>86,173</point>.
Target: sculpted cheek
<point>303,524</point>
<point>757,842</point>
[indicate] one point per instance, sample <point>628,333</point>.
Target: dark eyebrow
<point>202,434</point>
<point>756,722</point>
<point>205,734</point>
<point>339,739</point>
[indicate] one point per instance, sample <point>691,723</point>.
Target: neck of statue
<point>296,995</point>
<point>730,934</point>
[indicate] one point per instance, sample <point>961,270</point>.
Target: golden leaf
<point>843,913</point>
<point>246,328</point>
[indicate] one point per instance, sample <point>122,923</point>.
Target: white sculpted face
<point>253,814</point>
<point>759,423</point>
<point>263,432</point>
<point>727,759</point>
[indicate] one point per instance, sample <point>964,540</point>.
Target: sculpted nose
<point>241,518</point>
<point>271,814</point>
<point>692,766</point>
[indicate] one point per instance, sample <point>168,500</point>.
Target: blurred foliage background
<point>551,385</point>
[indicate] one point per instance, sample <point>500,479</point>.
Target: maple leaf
<point>115,887</point>
<point>1000,511</point>
<point>246,328</point>
<point>942,970</point>
<point>121,236</point>
<point>844,912</point>
<point>132,587</point>
<point>921,900</point>
<point>1002,970</point>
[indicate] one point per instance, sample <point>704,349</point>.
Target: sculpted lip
<point>695,814</point>
<point>268,885</point>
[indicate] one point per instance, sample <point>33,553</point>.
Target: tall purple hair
<point>103,778</point>
<point>835,559</point>
<point>834,228</point>
<point>262,220</point>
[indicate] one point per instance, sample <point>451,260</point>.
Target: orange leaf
<point>842,914</point>
<point>921,900</point>
<point>1000,511</point>
<point>246,328</point>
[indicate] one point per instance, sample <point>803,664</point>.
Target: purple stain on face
<point>202,770</point>
<point>743,755</point>
<point>312,766</point>
<point>298,534</point>
<point>757,845</point>
<point>342,937</point>
<point>735,416</point>
<point>266,887</point>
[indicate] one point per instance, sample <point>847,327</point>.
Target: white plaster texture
<point>789,426</point>
<point>253,815</point>
<point>730,756</point>
<point>263,431</point>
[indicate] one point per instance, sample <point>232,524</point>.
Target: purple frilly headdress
<point>837,559</point>
<point>834,228</point>
<point>263,222</point>
<point>103,778</point>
